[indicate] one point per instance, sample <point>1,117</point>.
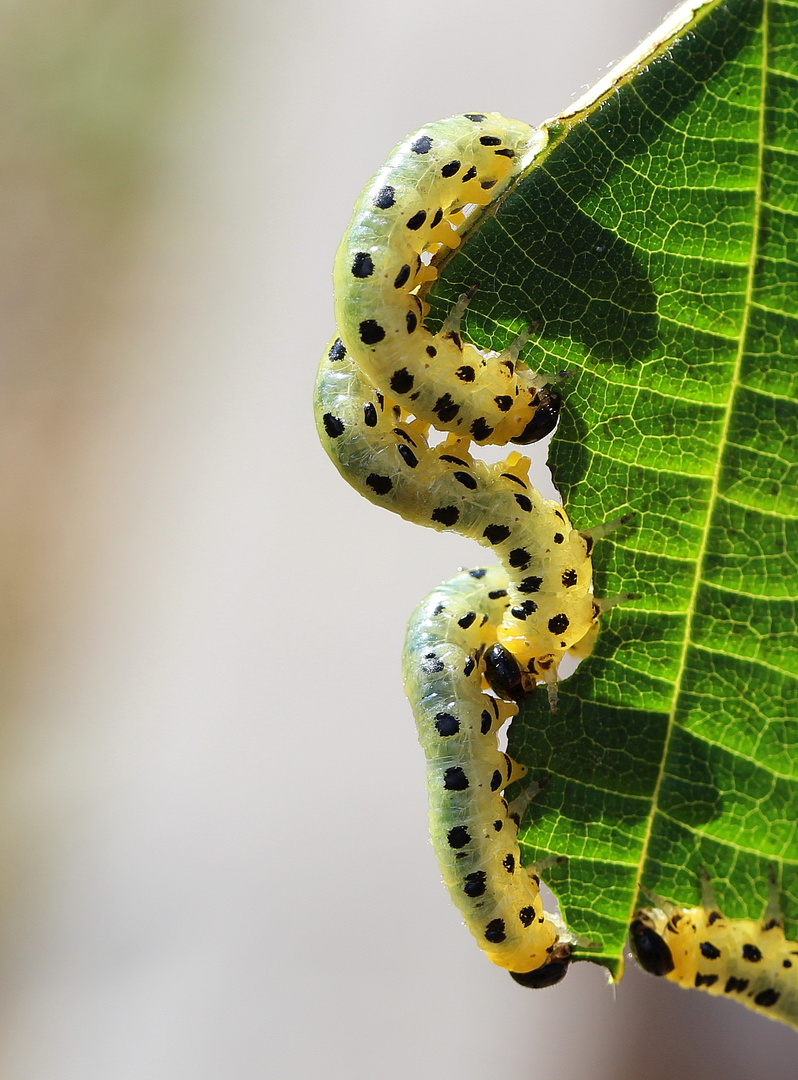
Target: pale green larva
<point>473,831</point>
<point>745,960</point>
<point>383,382</point>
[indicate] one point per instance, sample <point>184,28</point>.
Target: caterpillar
<point>472,827</point>
<point>384,381</point>
<point>746,960</point>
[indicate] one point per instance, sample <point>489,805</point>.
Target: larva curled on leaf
<point>746,960</point>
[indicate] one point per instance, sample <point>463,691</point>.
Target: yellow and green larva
<point>745,960</point>
<point>473,830</point>
<point>408,215</point>
<point>385,379</point>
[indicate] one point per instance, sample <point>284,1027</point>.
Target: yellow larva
<point>745,960</point>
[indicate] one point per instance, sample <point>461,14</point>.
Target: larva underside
<point>384,380</point>
<point>746,960</point>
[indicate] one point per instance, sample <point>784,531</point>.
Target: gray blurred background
<point>212,810</point>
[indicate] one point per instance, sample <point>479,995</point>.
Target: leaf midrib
<point>714,493</point>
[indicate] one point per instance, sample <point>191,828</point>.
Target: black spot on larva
<point>559,514</point>
<point>430,663</point>
<point>494,931</point>
<point>385,198</point>
<point>530,584</point>
<point>423,145</point>
<point>446,408</point>
<point>558,538</point>
<point>446,515</point>
<point>431,350</point>
<point>519,557</point>
<point>472,172</point>
<point>496,781</point>
<point>437,219</point>
<point>332,425</point>
<point>506,152</point>
<point>466,479</point>
<point>371,333</point>
<point>404,435</point>
<point>465,373</point>
<point>486,185</point>
<point>481,430</point>
<point>705,980</point>
<point>370,415</point>
<point>455,337</point>
<point>496,534</point>
<point>508,862</point>
<point>401,381</point>
<point>477,117</point>
<point>504,402</point>
<point>523,502</point>
<point>402,277</point>
<point>523,611</point>
<point>458,837</point>
<point>713,916</point>
<point>407,456</point>
<point>735,986</point>
<point>486,722</point>
<point>469,666</point>
<point>337,351</point>
<point>588,544</point>
<point>490,140</point>
<point>569,578</point>
<point>709,951</point>
<point>497,594</point>
<point>526,916</point>
<point>417,220</point>
<point>362,265</point>
<point>380,485</point>
<point>450,169</point>
<point>439,608</point>
<point>467,619</point>
<point>478,575</point>
<point>475,884</point>
<point>446,724</point>
<point>498,824</point>
<point>454,460</point>
<point>786,963</point>
<point>513,478</point>
<point>770,924</point>
<point>412,321</point>
<point>766,998</point>
<point>455,779</point>
<point>558,624</point>
<point>752,954</point>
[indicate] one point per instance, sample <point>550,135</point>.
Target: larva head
<point>648,945</point>
<point>503,674</point>
<point>550,973</point>
<point>543,422</point>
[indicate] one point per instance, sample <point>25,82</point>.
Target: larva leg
<point>474,832</point>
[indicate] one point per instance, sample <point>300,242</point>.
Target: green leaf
<point>656,239</point>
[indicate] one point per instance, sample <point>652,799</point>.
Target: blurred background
<point>212,807</point>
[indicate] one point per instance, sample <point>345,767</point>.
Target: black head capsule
<point>548,975</point>
<point>504,674</point>
<point>649,948</point>
<point>542,423</point>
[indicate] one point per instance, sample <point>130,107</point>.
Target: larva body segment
<point>408,214</point>
<point>549,605</point>
<point>749,961</point>
<point>473,832</point>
